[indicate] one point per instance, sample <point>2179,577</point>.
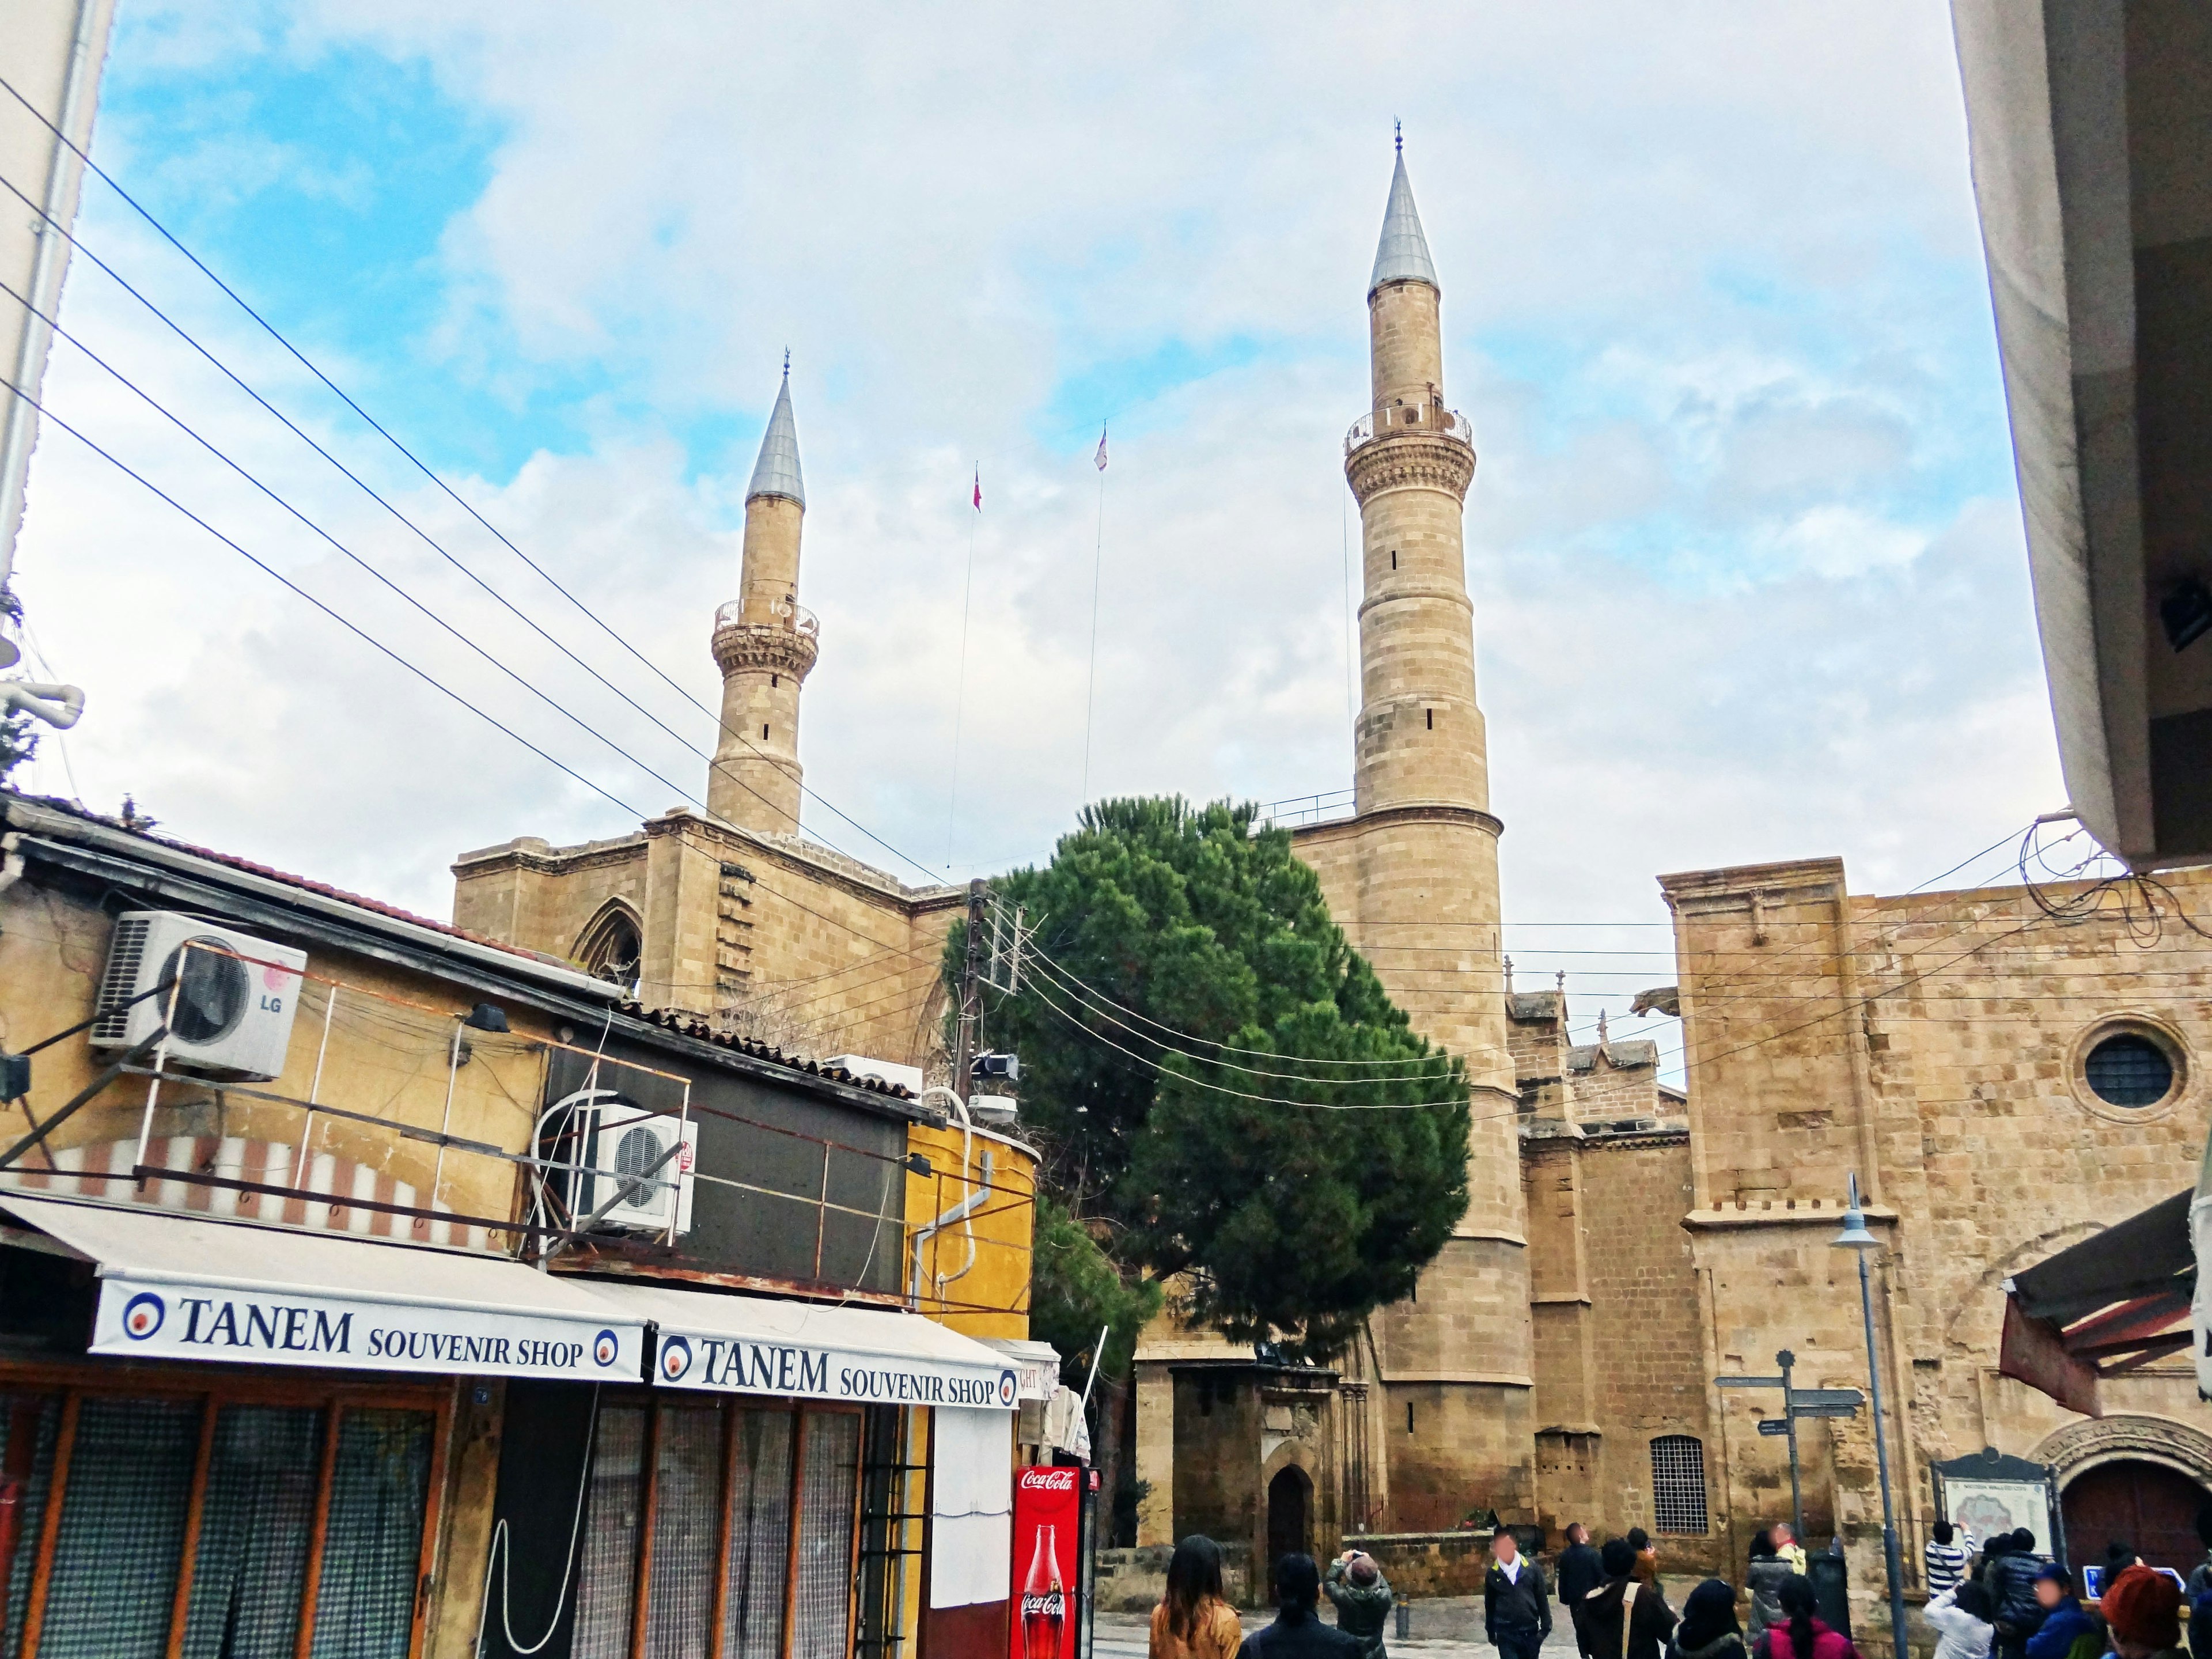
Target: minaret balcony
<point>786,644</point>
<point>1417,420</point>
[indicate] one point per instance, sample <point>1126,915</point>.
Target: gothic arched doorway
<point>2150,1506</point>
<point>1289,1502</point>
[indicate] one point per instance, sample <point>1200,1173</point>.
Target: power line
<point>412,459</point>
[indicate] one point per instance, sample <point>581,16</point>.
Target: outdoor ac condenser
<point>617,1138</point>
<point>234,996</point>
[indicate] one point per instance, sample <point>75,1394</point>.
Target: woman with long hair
<point>1802,1635</point>
<point>1194,1620</point>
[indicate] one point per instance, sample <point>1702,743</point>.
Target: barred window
<point>1678,1484</point>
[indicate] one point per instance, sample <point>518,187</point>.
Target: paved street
<point>1444,1629</point>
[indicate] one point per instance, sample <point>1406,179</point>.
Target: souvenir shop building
<point>367,1289</point>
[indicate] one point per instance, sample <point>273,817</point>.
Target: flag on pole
<point>1101,457</point>
<point>979,489</point>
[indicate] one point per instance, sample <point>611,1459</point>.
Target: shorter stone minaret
<point>764,644</point>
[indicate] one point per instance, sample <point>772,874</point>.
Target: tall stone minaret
<point>1459,1355</point>
<point>764,644</point>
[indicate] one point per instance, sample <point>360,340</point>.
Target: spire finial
<point>1398,133</point>
<point>1509,976</point>
<point>786,362</point>
<point>1601,1025</point>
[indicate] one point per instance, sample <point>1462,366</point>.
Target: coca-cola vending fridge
<point>1047,1522</point>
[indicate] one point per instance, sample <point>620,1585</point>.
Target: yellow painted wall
<point>991,1297</point>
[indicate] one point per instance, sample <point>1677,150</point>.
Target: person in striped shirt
<point>1947,1560</point>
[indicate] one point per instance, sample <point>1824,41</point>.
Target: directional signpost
<point>1797,1403</point>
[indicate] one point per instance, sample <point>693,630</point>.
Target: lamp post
<point>1855,1236</point>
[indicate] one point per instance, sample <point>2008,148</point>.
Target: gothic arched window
<point>612,944</point>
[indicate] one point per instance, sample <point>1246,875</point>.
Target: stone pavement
<point>1445,1628</point>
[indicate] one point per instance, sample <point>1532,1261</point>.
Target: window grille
<point>257,1520</point>
<point>379,1498</point>
<point>1678,1484</point>
<point>122,1528</point>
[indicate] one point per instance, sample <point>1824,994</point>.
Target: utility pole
<point>969,1024</point>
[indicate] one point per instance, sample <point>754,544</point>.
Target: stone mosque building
<point>2005,1072</point>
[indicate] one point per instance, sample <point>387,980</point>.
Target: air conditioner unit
<point>234,996</point>
<point>604,1138</point>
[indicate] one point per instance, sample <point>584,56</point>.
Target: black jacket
<point>1581,1570</point>
<point>1308,1638</point>
<point>1597,1617</point>
<point>1517,1603</point>
<point>2010,1580</point>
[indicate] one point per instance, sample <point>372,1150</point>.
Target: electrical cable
<point>420,466</point>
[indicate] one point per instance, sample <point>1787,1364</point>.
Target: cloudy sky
<point>1744,543</point>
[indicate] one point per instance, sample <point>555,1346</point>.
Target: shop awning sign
<point>770,1346</point>
<point>172,1319</point>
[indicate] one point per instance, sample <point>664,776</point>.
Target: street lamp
<point>1855,1236</point>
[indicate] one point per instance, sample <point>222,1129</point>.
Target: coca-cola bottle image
<point>1044,1601</point>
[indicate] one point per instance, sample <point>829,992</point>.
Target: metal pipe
<point>1890,1555</point>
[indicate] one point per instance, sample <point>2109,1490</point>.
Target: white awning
<point>185,1288</point>
<point>736,1344</point>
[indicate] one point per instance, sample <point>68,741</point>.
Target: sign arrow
<point>1773,1425</point>
<point>1824,1411</point>
<point>1749,1382</point>
<point>1803,1397</point>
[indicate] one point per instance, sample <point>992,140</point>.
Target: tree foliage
<point>1175,1042</point>
<point>1076,1290</point>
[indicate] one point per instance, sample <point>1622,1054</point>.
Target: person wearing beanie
<point>2065,1620</point>
<point>1621,1619</point>
<point>2144,1609</point>
<point>1361,1594</point>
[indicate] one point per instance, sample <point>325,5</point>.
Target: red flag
<point>979,489</point>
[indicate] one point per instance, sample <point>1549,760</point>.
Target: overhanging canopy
<point>760,1345</point>
<point>2109,1304</point>
<point>186,1287</point>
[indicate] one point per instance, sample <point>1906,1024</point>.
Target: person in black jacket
<point>1517,1611</point>
<point>1298,1631</point>
<point>1580,1571</point>
<point>2010,1582</point>
<point>1598,1616</point>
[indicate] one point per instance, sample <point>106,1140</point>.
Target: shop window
<point>191,1524</point>
<point>693,1501</point>
<point>1678,1484</point>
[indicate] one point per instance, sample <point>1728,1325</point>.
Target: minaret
<point>764,644</point>
<point>1460,1355</point>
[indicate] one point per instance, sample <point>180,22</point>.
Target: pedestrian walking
<point>1709,1629</point>
<point>1580,1570</point>
<point>1763,1582</point>
<point>1787,1547</point>
<point>1960,1616</point>
<point>2010,1580</point>
<point>2143,1608</point>
<point>1802,1634</point>
<point>1355,1587</point>
<point>1621,1619</point>
<point>1945,1559</point>
<point>1298,1631</point>
<point>2066,1622</point>
<point>1194,1620</point>
<point>1517,1610</point>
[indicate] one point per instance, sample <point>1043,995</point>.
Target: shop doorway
<point>1289,1504</point>
<point>2148,1505</point>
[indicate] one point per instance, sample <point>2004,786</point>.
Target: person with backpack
<point>1946,1559</point>
<point>1621,1619</point>
<point>1763,1583</point>
<point>1709,1629</point>
<point>1802,1635</point>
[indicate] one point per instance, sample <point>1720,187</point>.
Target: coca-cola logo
<point>1048,1480</point>
<point>1050,1605</point>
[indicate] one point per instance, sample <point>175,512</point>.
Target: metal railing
<point>1431,420</point>
<point>1324,808</point>
<point>795,616</point>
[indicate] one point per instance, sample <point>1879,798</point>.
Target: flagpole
<point>1098,558</point>
<point>960,697</point>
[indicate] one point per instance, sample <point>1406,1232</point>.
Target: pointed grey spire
<point>1403,252</point>
<point>777,472</point>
